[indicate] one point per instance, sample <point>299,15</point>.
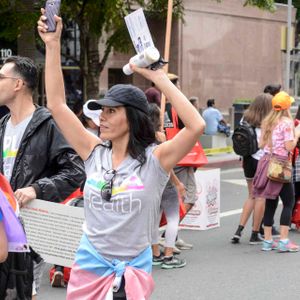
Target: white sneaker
<point>58,279</point>
<point>182,245</point>
<point>161,242</point>
<point>176,250</point>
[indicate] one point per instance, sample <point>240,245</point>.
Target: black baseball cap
<point>122,95</point>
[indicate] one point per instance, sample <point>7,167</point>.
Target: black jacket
<point>44,160</point>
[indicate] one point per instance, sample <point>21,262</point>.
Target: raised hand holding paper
<point>144,59</point>
<point>147,54</point>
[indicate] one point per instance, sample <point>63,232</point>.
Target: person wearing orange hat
<point>282,101</point>
<point>279,137</point>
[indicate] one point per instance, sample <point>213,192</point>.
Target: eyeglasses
<point>10,77</point>
<point>4,76</point>
<point>106,190</point>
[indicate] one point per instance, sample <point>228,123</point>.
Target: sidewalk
<point>223,161</point>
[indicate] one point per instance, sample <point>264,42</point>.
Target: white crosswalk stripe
<point>241,182</point>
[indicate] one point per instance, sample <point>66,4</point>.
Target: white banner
<point>53,230</point>
<point>205,214</point>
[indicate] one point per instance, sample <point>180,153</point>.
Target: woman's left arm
<point>170,152</point>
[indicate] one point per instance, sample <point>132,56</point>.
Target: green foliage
<point>262,4</point>
<point>15,17</point>
<point>105,18</point>
<point>101,15</point>
<point>159,8</point>
<point>98,20</point>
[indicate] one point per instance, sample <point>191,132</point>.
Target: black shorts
<point>249,166</point>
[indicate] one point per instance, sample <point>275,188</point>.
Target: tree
<point>96,19</point>
<point>262,4</point>
<point>16,16</point>
<point>104,19</point>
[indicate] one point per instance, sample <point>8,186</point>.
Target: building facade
<point>221,50</point>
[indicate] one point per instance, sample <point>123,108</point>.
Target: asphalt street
<point>217,269</point>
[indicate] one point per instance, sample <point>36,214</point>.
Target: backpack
<point>244,139</point>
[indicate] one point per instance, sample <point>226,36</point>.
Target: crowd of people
<point>119,150</point>
<point>277,137</point>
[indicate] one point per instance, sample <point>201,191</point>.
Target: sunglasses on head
<point>106,190</point>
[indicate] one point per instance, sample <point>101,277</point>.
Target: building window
<point>116,76</point>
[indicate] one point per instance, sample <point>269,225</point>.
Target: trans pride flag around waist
<point>92,276</point>
<point>16,237</point>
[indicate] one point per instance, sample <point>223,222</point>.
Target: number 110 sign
<point>4,53</point>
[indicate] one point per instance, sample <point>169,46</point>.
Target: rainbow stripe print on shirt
<point>132,183</point>
<point>9,153</point>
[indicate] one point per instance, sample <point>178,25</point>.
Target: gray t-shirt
<point>122,228</point>
<point>11,143</point>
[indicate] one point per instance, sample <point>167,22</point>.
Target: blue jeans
<point>224,129</point>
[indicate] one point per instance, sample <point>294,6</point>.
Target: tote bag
<point>196,157</point>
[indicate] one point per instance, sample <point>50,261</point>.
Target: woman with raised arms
<point>126,176</point>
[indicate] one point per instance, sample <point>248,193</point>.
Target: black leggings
<point>288,199</point>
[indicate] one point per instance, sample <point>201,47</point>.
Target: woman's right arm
<point>3,241</point>
<point>77,136</point>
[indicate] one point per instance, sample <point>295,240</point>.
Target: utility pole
<point>288,46</point>
<point>166,55</point>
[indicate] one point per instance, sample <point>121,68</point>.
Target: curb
<point>212,151</point>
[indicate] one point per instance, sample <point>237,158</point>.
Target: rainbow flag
<point>93,277</point>
<point>16,237</point>
<point>8,193</point>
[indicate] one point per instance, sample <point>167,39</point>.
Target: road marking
<point>241,182</point>
<point>233,170</point>
<point>236,211</point>
<point>231,212</point>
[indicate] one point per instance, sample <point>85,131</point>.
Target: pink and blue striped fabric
<point>16,237</point>
<point>92,276</point>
